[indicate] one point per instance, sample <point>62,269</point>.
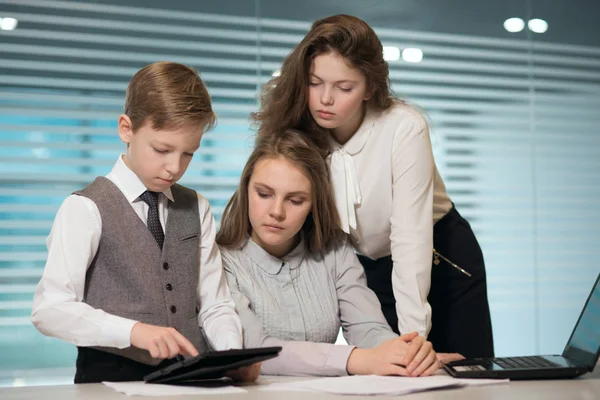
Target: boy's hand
<point>160,341</point>
<point>245,374</point>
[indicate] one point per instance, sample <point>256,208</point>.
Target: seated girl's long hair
<point>322,224</point>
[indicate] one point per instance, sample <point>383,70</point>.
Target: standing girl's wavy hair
<point>284,98</point>
<point>322,224</point>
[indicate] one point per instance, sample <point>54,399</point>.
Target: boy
<point>133,272</point>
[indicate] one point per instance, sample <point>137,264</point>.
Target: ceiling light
<point>391,53</point>
<point>412,55</point>
<point>8,24</point>
<point>514,25</point>
<point>537,25</point>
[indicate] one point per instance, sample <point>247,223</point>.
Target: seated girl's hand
<point>385,359</point>
<point>447,357</point>
<point>245,374</point>
<point>420,358</point>
<point>391,357</point>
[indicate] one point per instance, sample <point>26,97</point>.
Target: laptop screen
<point>584,344</point>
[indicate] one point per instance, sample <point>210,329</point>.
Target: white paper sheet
<point>152,389</point>
<point>378,385</point>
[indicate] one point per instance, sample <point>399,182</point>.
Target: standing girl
<point>391,199</point>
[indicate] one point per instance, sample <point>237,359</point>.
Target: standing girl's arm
<point>364,325</point>
<point>412,220</point>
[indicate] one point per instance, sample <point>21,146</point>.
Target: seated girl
<point>294,277</point>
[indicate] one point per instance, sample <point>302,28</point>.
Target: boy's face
<point>159,158</point>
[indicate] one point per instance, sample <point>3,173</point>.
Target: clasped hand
<point>406,355</point>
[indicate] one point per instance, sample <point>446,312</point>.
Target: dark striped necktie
<point>151,198</point>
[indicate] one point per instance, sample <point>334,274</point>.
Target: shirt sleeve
<point>58,309</point>
<point>296,358</point>
<point>363,323</point>
<point>217,315</point>
<point>412,223</point>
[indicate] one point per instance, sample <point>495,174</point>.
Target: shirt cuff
<point>228,337</point>
<point>337,359</point>
<point>116,332</point>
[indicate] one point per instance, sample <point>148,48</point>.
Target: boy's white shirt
<point>58,309</point>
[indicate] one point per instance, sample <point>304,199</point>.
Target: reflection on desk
<point>584,388</point>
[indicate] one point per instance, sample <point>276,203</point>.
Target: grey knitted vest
<point>131,277</point>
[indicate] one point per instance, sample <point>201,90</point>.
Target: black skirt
<point>460,320</point>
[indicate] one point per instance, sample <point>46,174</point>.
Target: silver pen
<point>436,261</point>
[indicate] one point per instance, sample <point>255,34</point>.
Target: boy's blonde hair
<point>169,96</point>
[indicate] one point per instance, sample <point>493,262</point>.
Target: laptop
<point>210,365</point>
<point>579,356</point>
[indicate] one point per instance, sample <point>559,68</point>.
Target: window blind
<point>514,127</point>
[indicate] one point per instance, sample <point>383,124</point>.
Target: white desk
<point>583,388</point>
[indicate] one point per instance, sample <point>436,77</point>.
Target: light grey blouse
<point>299,302</point>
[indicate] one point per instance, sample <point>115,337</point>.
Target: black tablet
<point>210,365</point>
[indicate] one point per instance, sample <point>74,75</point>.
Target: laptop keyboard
<point>529,362</point>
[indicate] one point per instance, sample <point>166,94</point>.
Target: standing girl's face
<point>279,200</point>
<point>336,95</point>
